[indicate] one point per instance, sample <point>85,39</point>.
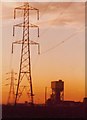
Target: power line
<point>49,27</point>
<point>62,42</point>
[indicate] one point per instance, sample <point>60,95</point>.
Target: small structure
<point>57,95</point>
<point>85,100</point>
<point>57,91</point>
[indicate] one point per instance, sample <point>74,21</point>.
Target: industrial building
<point>57,95</point>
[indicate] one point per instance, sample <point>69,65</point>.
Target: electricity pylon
<point>25,62</point>
<point>11,96</point>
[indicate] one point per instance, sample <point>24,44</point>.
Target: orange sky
<point>58,21</point>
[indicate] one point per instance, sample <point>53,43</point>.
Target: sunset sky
<point>62,43</point>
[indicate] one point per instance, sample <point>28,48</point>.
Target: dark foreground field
<point>22,111</point>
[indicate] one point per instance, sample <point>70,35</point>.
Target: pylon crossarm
<point>16,42</point>
<point>26,8</point>
<point>35,43</point>
<point>25,25</point>
<point>26,42</point>
<point>19,7</point>
<point>22,41</point>
<point>8,73</point>
<point>7,84</point>
<point>7,78</point>
<point>32,25</point>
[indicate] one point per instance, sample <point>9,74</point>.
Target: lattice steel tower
<point>12,79</point>
<point>25,63</point>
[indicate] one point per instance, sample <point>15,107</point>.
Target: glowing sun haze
<point>58,21</point>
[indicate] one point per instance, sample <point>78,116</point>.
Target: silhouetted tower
<point>57,91</point>
<point>25,63</point>
<point>11,96</point>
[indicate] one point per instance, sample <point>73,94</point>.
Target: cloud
<point>63,13</point>
<point>8,9</point>
<point>66,14</point>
